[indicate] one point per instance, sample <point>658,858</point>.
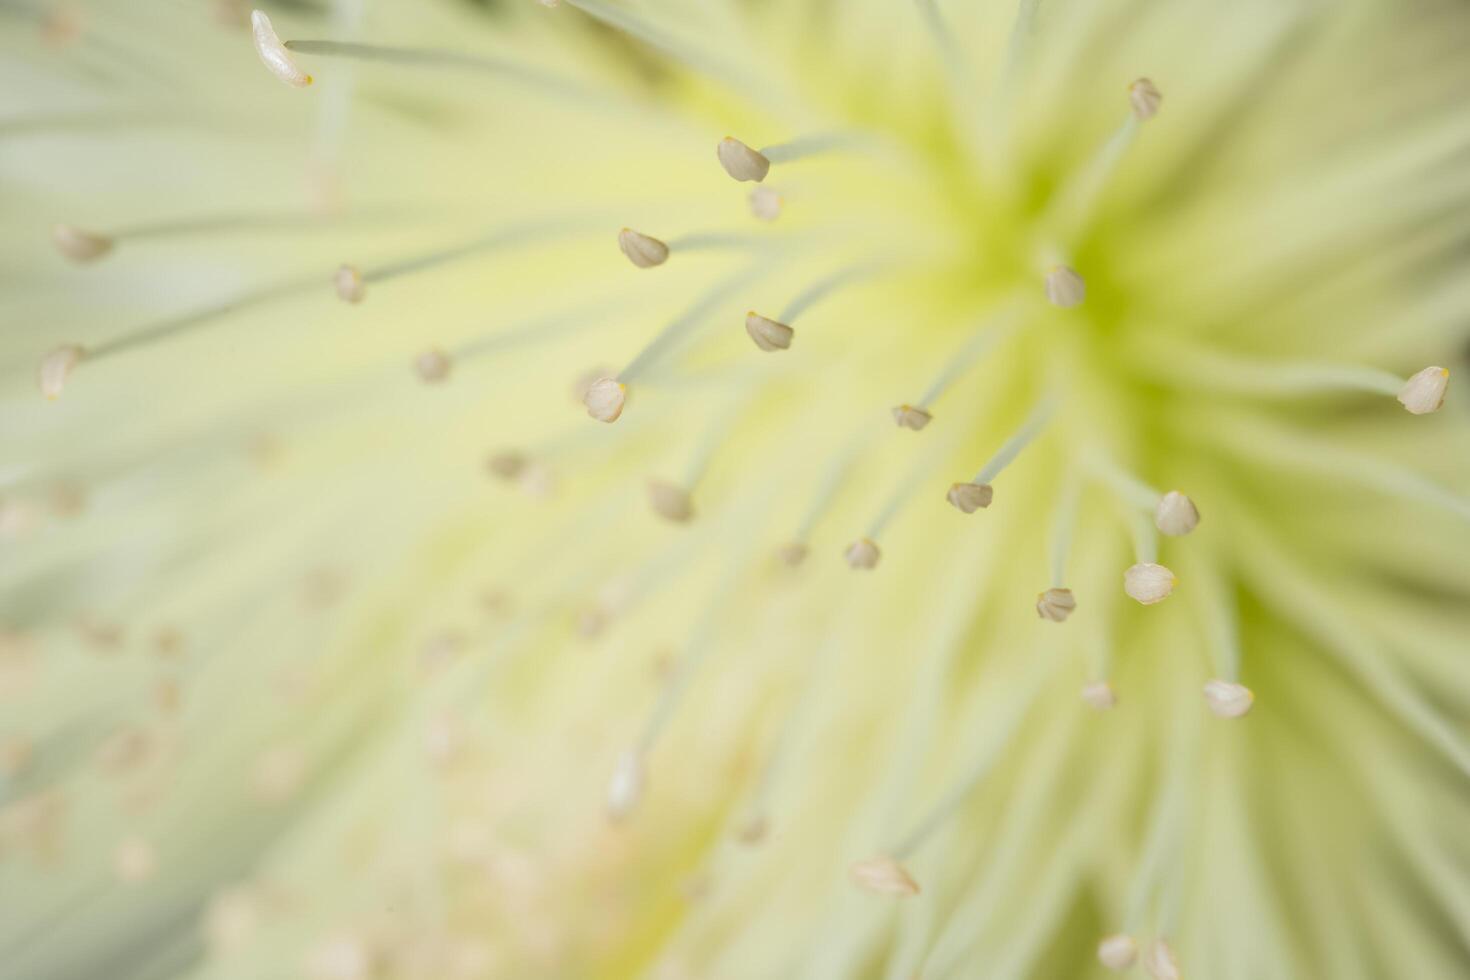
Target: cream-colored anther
<point>1055,605</point>
<point>765,203</point>
<point>433,366</point>
<point>1145,98</point>
<point>56,367</point>
<point>911,417</point>
<point>1175,514</point>
<point>1117,952</point>
<point>1424,392</point>
<point>1228,700</point>
<point>742,162</point>
<point>349,283</point>
<point>863,553</point>
<point>670,501</point>
<point>273,53</point>
<point>78,244</point>
<point>605,399</point>
<point>970,497</point>
<point>642,250</point>
<point>1100,695</point>
<point>1148,583</point>
<point>1065,287</point>
<point>769,335</point>
<point>883,876</point>
<point>625,789</point>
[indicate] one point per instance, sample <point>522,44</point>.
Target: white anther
<point>885,876</point>
<point>1149,583</point>
<point>1145,98</point>
<point>970,497</point>
<point>769,335</point>
<point>1176,514</point>
<point>792,553</point>
<point>625,789</point>
<point>1055,605</point>
<point>642,250</point>
<point>1424,392</point>
<point>863,553</point>
<point>433,366</point>
<point>507,465</point>
<point>56,367</point>
<point>1064,287</point>
<point>273,53</point>
<point>350,287</point>
<point>670,501</point>
<point>752,829</point>
<point>741,162</point>
<point>765,203</point>
<point>1117,952</point>
<point>78,244</point>
<point>605,399</point>
<point>1160,962</point>
<point>1227,700</point>
<point>1100,695</point>
<point>909,417</point>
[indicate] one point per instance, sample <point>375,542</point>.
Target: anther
<point>1227,700</point>
<point>752,829</point>
<point>433,366</point>
<point>792,553</point>
<point>1160,963</point>
<point>884,876</point>
<point>134,860</point>
<point>742,162</point>
<point>349,283</point>
<point>769,335</point>
<point>1100,695</point>
<point>765,204</point>
<point>670,501</point>
<point>1424,392</point>
<point>1145,98</point>
<point>1117,952</point>
<point>970,497</point>
<point>605,399</point>
<point>642,250</point>
<point>273,53</point>
<point>863,554</point>
<point>1175,514</point>
<point>56,367</point>
<point>1148,583</point>
<point>625,789</point>
<point>78,244</point>
<point>1055,605</point>
<point>507,464</point>
<point>911,417</point>
<point>1064,287</point>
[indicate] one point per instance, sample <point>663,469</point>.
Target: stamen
<point>863,554</point>
<point>765,204</point>
<point>979,489</point>
<point>1161,963</point>
<point>1149,583</point>
<point>1100,695</point>
<point>884,876</point>
<point>1064,287</point>
<point>1176,514</point>
<point>1117,952</point>
<point>769,335</point>
<point>1145,98</point>
<point>642,250</point>
<point>273,53</point>
<point>670,501</point>
<point>433,366</point>
<point>1424,392</point>
<point>1227,700</point>
<point>350,287</point>
<point>80,245</point>
<point>1055,605</point>
<point>741,162</point>
<point>605,399</point>
<point>980,341</point>
<point>910,417</point>
<point>56,367</point>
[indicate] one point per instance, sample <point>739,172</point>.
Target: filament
<point>1030,429</point>
<point>688,321</point>
<point>1064,524</point>
<point>990,333</point>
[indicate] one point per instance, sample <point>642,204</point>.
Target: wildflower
<point>289,687</point>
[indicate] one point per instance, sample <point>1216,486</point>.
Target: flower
<point>310,667</point>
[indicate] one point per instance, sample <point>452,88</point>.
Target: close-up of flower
<point>734,489</point>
